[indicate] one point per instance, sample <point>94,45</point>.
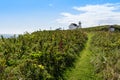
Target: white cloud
<point>92,15</point>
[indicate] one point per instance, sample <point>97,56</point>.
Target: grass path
<point>83,69</point>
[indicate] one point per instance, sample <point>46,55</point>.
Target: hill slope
<point>90,54</point>
<point>41,55</point>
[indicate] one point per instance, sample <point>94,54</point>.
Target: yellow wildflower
<point>41,66</point>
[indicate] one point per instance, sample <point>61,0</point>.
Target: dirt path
<point>83,69</point>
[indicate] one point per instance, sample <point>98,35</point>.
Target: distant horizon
<point>52,29</point>
<point>19,16</point>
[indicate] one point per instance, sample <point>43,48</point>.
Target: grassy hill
<point>82,54</point>
<point>102,28</point>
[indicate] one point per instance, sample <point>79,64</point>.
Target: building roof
<point>111,26</point>
<point>73,24</point>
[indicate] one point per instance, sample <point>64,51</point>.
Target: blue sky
<point>19,16</point>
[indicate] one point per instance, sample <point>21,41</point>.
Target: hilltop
<point>103,28</point>
<point>80,54</point>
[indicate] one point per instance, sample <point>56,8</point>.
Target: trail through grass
<point>83,69</point>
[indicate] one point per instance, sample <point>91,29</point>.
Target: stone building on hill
<point>112,28</point>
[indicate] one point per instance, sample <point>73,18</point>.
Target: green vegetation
<point>42,55</point>
<point>105,47</point>
<point>102,28</point>
<point>83,69</point>
<point>83,54</point>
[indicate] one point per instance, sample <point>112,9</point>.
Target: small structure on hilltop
<point>79,25</point>
<point>75,26</point>
<point>111,28</point>
<point>59,28</point>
